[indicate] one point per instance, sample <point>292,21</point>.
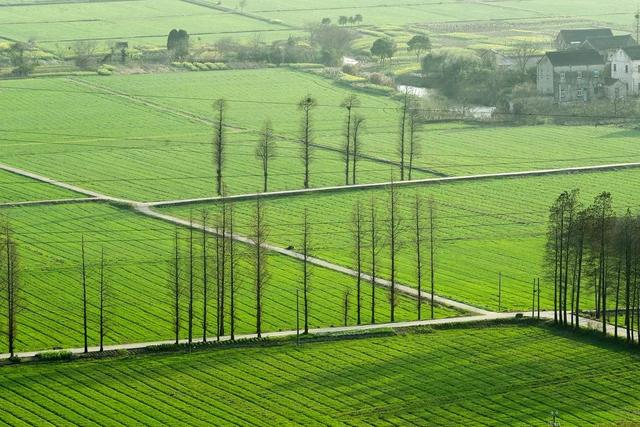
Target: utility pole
<point>499,292</point>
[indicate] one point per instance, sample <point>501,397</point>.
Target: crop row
<point>501,375</point>
<point>15,188</point>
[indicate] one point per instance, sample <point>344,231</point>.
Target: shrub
<point>104,71</point>
<point>305,65</point>
<point>51,356</point>
<point>201,66</point>
<point>380,79</point>
<point>14,359</point>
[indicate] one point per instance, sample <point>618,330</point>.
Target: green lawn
<point>483,228</point>
<point>501,375</point>
<point>16,188</point>
<point>138,273</point>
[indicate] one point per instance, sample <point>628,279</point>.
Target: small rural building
<point>608,46</point>
<point>625,66</point>
<point>573,39</point>
<point>573,75</point>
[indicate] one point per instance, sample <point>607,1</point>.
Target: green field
<point>16,188</point>
<point>91,136</point>
<point>96,140</point>
<point>137,252</point>
<point>483,228</point>
<point>145,22</point>
<point>501,375</point>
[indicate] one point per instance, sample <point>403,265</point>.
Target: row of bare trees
<point>199,263</point>
<point>411,120</point>
<point>591,248</point>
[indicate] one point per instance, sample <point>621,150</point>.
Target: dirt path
<point>319,331</point>
<point>426,181</point>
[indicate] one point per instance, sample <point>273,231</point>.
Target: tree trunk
<point>84,300</point>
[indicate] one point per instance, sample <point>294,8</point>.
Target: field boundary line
<point>415,182</point>
<point>290,333</point>
<point>491,316</point>
<point>50,202</point>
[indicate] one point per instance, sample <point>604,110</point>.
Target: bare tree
<point>418,241</point>
<point>358,122</point>
<point>432,252</point>
<point>205,276</point>
<point>523,52</point>
<point>414,127</point>
<point>306,270</point>
<point>259,238</point>
<point>220,106</point>
<point>10,281</point>
<point>103,295</point>
<point>394,241</point>
<point>346,305</point>
<point>403,132</point>
<point>266,151</point>
<point>175,286</point>
<point>375,247</point>
<point>232,275</point>
<point>349,104</point>
<point>306,105</point>
<point>358,230</point>
<point>191,279</point>
<point>222,268</point>
<point>84,297</point>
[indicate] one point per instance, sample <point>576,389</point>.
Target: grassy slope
<point>506,375</point>
<point>15,188</point>
<point>137,250</point>
<point>484,228</point>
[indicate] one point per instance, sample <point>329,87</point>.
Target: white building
<point>625,66</point>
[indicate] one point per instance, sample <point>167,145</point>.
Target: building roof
<point>575,57</point>
<point>607,43</point>
<point>612,82</point>
<point>633,52</point>
<point>579,36</point>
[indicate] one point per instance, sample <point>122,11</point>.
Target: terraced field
<point>137,251</point>
<point>507,375</point>
<point>15,188</point>
<point>483,228</point>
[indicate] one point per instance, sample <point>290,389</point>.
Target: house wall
<point>578,83</point>
<point>545,77</point>
<point>627,71</point>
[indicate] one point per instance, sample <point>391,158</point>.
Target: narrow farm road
<point>425,181</point>
<point>146,209</point>
<point>407,290</point>
<point>546,315</point>
<point>280,334</point>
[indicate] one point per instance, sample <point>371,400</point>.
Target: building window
<point>626,68</point>
<point>580,93</point>
<point>615,67</point>
<point>562,76</point>
<point>596,73</point>
<point>639,68</point>
<point>579,75</point>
